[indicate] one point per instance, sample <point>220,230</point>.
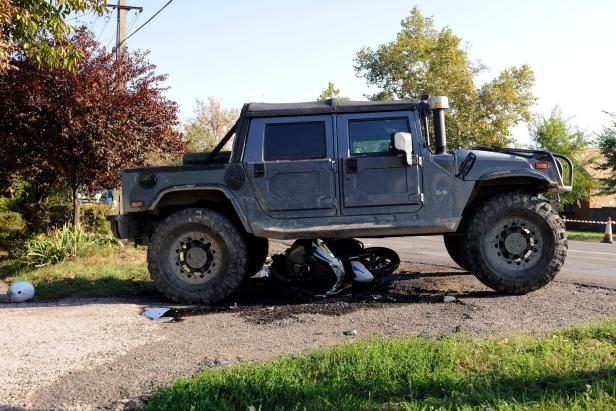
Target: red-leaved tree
<point>79,130</point>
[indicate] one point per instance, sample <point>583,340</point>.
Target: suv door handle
<point>259,170</point>
<point>351,166</point>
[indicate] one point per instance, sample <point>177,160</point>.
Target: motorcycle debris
<point>155,313</point>
<point>264,272</point>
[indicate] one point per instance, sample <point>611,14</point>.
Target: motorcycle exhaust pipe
<point>438,105</point>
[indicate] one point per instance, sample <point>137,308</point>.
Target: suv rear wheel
<point>197,256</point>
<point>517,243</point>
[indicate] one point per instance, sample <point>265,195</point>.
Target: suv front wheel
<point>197,256</point>
<point>455,244</point>
<point>517,243</point>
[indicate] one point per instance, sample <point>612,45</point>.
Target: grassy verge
<point>104,272</point>
<point>573,369</point>
<point>585,236</point>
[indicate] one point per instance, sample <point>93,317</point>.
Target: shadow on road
<point>264,300</point>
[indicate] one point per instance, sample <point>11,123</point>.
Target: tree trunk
<point>76,209</point>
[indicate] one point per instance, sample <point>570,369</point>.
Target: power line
<point>100,35</point>
<point>80,16</point>
<point>150,19</point>
<point>133,21</point>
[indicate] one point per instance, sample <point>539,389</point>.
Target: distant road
<point>588,263</point>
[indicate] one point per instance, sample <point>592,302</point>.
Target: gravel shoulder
<point>93,354</point>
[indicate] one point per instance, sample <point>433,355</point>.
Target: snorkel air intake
<point>438,105</point>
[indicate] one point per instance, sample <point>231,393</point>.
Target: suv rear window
<point>374,136</point>
<point>294,141</point>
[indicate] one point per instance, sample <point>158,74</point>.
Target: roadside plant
<point>63,244</point>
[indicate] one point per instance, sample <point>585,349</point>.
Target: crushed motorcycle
<point>325,267</point>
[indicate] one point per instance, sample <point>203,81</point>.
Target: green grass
<point>104,272</point>
<point>585,236</point>
<point>572,369</point>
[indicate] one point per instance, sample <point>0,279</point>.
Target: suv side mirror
<point>404,142</point>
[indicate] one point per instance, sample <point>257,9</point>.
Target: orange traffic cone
<point>608,232</point>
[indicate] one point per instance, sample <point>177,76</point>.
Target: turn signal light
<point>136,204</point>
<point>543,166</point>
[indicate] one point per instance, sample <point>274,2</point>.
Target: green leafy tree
<point>380,96</point>
<point>30,24</point>
<point>425,60</point>
<point>554,133</point>
<point>607,145</point>
<point>211,123</point>
<point>198,137</point>
<point>331,92</point>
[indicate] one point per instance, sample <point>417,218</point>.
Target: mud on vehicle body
<point>343,169</point>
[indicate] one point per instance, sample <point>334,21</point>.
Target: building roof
<point>325,107</point>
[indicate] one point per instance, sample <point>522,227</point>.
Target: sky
<point>283,51</point>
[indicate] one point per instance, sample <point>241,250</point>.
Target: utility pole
<point>121,7</point>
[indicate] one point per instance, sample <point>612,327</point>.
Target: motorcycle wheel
<point>380,261</point>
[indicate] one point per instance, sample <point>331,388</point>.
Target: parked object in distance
<point>344,169</point>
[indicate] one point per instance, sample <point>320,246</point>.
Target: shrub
<point>43,217</point>
<point>94,218</point>
<point>62,244</point>
<point>12,228</point>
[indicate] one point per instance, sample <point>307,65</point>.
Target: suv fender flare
<point>202,188</point>
<point>496,182</point>
<point>529,174</point>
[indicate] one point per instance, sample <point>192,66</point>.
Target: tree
<point>28,25</point>
<point>78,130</point>
<point>554,133</point>
<point>607,145</point>
<point>331,92</point>
<point>212,121</point>
<point>424,60</point>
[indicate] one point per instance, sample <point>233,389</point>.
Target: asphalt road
<point>588,263</point>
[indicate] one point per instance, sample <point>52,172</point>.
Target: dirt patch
<point>100,355</point>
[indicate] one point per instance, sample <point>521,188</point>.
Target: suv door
<point>290,164</point>
<point>375,176</point>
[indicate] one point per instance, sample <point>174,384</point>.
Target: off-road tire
<point>258,249</point>
<point>534,221</point>
<point>225,243</point>
<point>457,249</point>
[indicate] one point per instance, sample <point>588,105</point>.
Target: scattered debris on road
<point>158,314</point>
<point>350,332</point>
<point>449,299</point>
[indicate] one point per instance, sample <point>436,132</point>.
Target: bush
<point>43,217</point>
<point>62,244</point>
<point>94,218</point>
<point>12,228</point>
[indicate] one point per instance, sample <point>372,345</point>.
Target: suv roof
<point>332,105</point>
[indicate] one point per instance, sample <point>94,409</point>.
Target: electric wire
<point>79,16</point>
<point>133,21</point>
<point>147,21</point>
<point>100,35</point>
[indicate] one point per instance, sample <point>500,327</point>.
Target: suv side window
<point>373,137</point>
<point>294,141</point>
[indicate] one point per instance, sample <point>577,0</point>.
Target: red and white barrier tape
<point>587,221</point>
